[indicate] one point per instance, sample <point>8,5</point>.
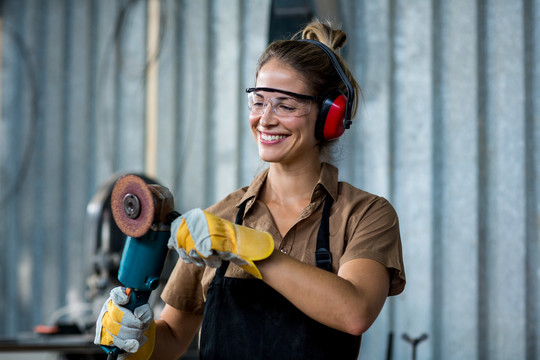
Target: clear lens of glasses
<point>281,105</point>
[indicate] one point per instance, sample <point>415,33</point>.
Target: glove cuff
<point>253,244</point>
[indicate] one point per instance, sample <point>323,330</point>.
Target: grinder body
<point>142,260</point>
<point>140,269</point>
<point>144,213</point>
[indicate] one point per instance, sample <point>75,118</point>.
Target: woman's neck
<point>291,186</point>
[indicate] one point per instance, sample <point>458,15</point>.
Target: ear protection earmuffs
<point>335,112</point>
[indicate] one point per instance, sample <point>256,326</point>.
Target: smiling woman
<point>338,247</point>
<point>286,134</point>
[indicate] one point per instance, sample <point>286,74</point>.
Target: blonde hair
<point>324,33</point>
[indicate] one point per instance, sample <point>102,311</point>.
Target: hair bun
<point>325,33</point>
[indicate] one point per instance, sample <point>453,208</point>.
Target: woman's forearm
<point>349,302</point>
<point>174,333</point>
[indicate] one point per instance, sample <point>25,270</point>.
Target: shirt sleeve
<point>183,290</point>
<point>374,234</point>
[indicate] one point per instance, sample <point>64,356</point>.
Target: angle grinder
<point>144,213</point>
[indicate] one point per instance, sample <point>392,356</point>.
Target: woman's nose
<point>267,117</point>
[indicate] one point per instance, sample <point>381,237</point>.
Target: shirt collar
<point>328,180</point>
<point>253,189</point>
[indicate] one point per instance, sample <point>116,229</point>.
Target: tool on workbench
<point>144,213</point>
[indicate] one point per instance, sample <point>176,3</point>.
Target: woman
<point>303,304</point>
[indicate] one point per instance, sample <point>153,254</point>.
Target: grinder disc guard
<point>132,206</point>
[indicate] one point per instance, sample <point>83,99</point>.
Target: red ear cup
<point>331,116</point>
<point>336,106</point>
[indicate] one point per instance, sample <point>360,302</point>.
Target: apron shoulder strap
<point>323,256</point>
<point>240,213</point>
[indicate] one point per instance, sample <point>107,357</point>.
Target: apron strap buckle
<point>323,259</point>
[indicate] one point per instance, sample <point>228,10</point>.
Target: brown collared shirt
<point>362,225</point>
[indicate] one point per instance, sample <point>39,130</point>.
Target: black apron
<point>247,319</point>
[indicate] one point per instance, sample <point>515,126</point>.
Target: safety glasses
<point>287,104</point>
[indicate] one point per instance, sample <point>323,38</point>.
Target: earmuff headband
<point>344,79</point>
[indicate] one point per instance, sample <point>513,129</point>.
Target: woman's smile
<point>267,138</point>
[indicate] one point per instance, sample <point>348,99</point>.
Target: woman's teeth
<point>267,137</point>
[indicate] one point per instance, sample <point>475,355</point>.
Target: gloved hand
<point>133,332</point>
<point>206,239</point>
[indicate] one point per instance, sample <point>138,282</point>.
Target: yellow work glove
<point>133,332</point>
<point>205,239</point>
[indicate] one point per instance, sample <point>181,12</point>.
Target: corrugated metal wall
<point>449,131</point>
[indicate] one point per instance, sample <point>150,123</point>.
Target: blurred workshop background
<point>448,131</point>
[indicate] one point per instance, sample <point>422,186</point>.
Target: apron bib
<point>247,319</point>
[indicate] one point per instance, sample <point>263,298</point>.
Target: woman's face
<point>284,139</point>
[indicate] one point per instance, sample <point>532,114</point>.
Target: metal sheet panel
<point>456,182</point>
<point>505,218</point>
<point>532,118</point>
<point>412,136</point>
